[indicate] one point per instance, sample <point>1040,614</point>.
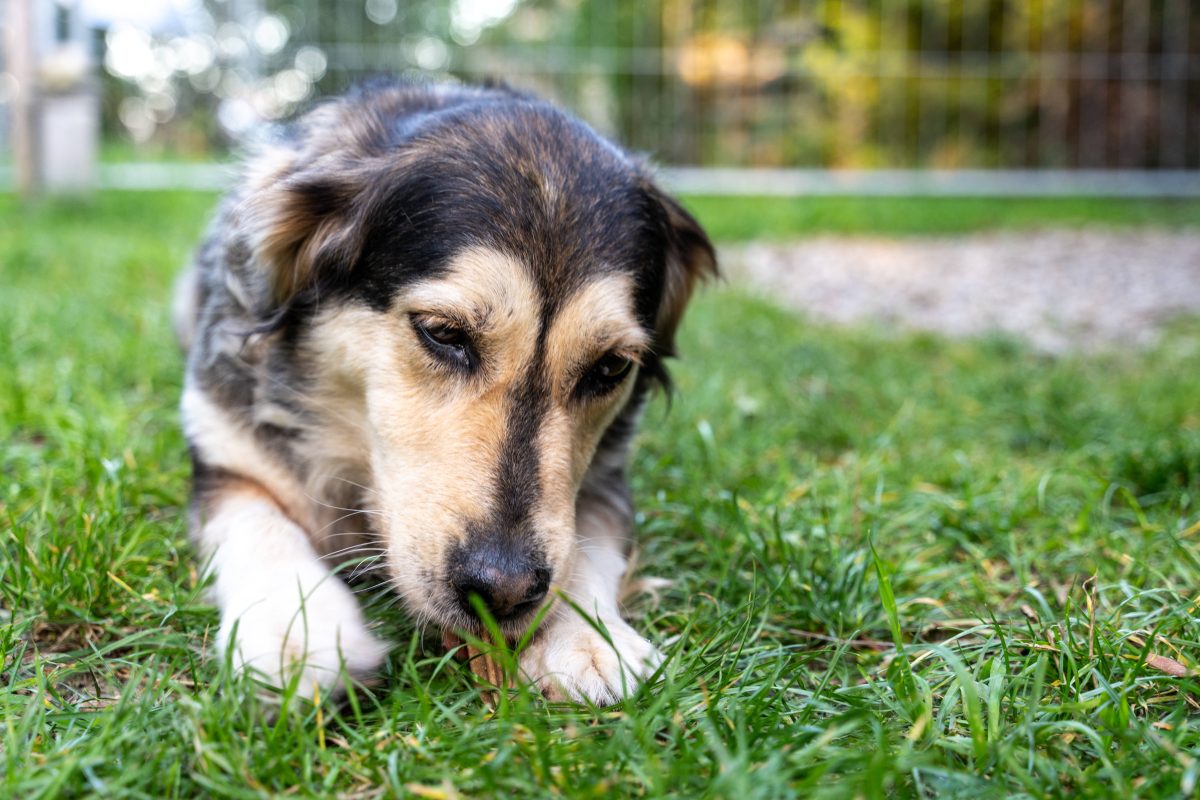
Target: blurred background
<point>773,86</point>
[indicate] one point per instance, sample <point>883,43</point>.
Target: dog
<point>420,332</point>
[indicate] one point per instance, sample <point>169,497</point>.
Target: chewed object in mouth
<point>486,668</point>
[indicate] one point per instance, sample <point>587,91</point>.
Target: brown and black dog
<point>422,329</point>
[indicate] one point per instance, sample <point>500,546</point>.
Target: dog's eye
<point>612,367</point>
<point>445,335</point>
<point>605,375</point>
<point>446,342</point>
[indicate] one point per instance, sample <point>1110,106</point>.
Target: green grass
<point>783,217</point>
<point>903,566</point>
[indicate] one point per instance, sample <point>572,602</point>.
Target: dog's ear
<point>306,221</point>
<point>690,260</point>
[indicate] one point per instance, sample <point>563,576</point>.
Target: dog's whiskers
<point>385,582</point>
<point>321,532</point>
<point>367,489</point>
<point>365,547</point>
<point>326,504</point>
<point>340,534</point>
<point>365,565</point>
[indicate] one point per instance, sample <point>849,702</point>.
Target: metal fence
<point>1077,84</point>
<point>1093,87</point>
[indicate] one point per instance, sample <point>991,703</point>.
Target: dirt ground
<point>1062,289</point>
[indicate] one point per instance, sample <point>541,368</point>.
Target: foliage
<point>834,83</point>
<point>880,83</point>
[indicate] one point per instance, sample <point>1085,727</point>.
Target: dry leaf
<point>444,792</point>
<point>1167,665</point>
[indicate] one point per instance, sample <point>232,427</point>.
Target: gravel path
<point>1078,289</point>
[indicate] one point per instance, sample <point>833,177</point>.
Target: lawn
<point>785,217</point>
<point>902,566</point>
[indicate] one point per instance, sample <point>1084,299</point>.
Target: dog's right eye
<point>604,376</point>
<point>446,343</point>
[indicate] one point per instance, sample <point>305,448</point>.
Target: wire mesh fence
<point>1079,85</point>
<point>832,83</point>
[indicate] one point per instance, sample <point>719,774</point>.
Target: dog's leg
<point>569,658</point>
<point>282,610</point>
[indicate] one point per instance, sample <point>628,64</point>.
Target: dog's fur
<point>422,329</point>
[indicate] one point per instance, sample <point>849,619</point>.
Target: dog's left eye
<point>446,342</point>
<point>605,375</point>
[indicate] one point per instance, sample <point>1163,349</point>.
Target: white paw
<point>571,660</point>
<point>319,633</point>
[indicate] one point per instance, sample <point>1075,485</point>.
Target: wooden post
<point>22,57</point>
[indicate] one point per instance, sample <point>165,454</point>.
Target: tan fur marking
<point>434,436</point>
<point>598,319</point>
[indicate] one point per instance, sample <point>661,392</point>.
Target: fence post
<point>22,60</point>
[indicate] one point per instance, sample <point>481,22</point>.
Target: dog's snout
<point>508,579</point>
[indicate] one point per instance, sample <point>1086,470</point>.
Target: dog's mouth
<point>462,610</point>
<point>471,628</point>
<point>479,616</point>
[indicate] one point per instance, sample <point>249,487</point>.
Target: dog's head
<point>486,287</point>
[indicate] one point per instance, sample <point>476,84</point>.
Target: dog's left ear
<point>306,220</point>
<point>690,260</point>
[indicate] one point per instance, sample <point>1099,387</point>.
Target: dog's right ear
<point>306,221</point>
<point>690,260</point>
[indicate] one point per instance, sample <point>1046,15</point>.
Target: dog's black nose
<point>509,580</point>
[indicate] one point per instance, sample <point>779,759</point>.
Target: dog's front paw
<point>318,636</point>
<point>571,660</point>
